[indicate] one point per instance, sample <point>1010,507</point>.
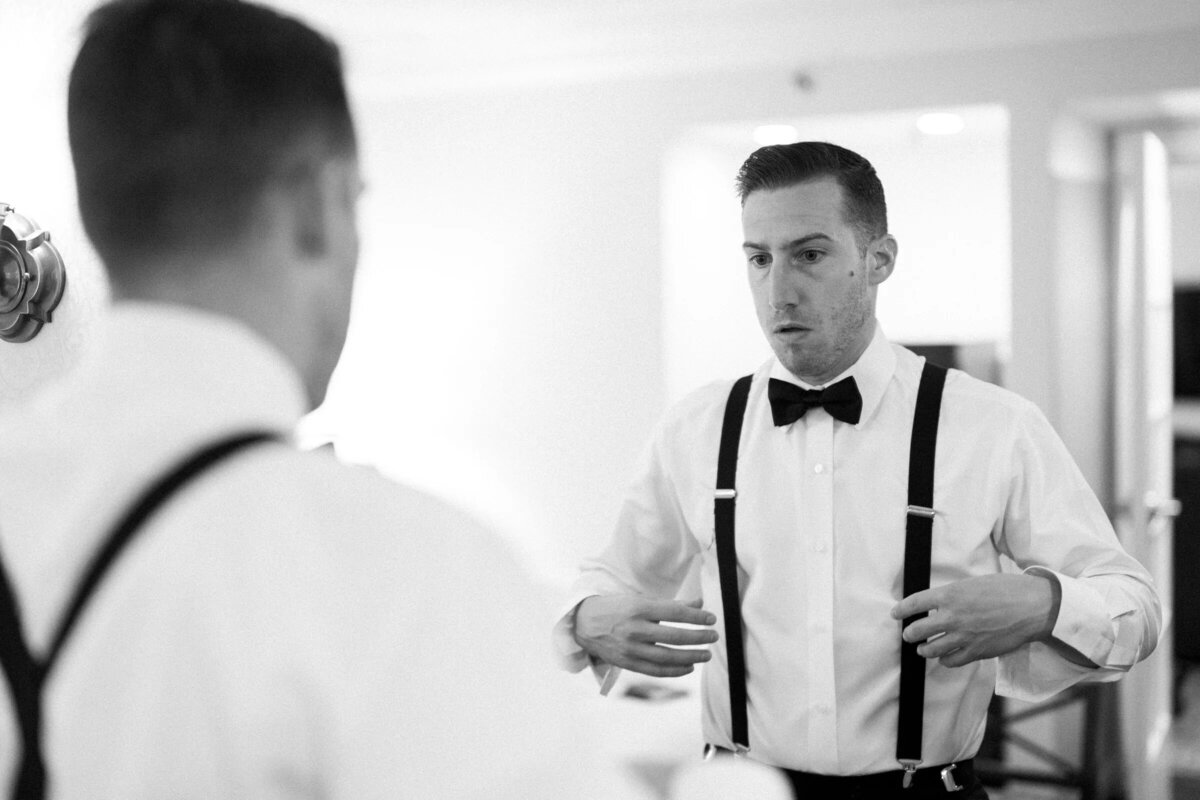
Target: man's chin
<point>799,363</point>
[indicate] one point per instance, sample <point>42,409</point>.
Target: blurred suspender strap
<point>723,510</point>
<point>918,549</point>
<point>26,675</point>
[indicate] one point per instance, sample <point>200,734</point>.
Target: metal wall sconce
<point>32,276</point>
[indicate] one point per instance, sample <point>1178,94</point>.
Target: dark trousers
<point>927,784</point>
<point>806,786</point>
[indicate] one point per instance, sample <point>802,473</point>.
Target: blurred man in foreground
<point>276,625</point>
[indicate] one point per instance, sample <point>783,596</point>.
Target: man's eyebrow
<point>792,245</point>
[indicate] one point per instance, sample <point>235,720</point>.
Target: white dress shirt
<point>286,626</point>
<point>820,546</point>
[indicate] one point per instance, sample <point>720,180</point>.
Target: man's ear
<point>881,259</point>
<point>310,220</point>
<point>323,195</point>
<point>309,193</point>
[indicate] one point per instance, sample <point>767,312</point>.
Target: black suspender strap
<point>133,520</point>
<point>723,511</point>
<point>918,547</point>
<point>25,674</point>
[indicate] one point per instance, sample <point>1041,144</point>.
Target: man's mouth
<point>789,328</point>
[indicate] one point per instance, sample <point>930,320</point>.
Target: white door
<point>1142,433</point>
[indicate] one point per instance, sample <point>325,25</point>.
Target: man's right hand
<point>626,630</point>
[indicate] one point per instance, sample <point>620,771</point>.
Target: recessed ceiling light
<point>940,123</point>
<point>775,134</point>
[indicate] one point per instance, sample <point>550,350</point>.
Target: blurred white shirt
<point>286,626</point>
<point>820,544</point>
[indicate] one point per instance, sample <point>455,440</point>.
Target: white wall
<point>37,180</point>
<point>506,349</point>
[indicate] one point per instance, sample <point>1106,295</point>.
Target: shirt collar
<point>872,372</point>
<point>193,372</point>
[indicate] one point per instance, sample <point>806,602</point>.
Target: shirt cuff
<point>571,656</point>
<point>1085,622</point>
<point>574,658</point>
<point>1034,673</point>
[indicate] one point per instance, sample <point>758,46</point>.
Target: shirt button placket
<point>817,506</point>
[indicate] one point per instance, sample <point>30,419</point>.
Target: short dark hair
<point>181,113</point>
<point>779,166</point>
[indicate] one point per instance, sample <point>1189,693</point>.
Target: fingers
<point>959,658</point>
<point>917,603</point>
<point>673,611</point>
<point>625,630</point>
<point>660,662</point>
<point>951,647</point>
<point>668,634</point>
<point>667,656</point>
<point>657,671</point>
<point>924,628</point>
<point>941,645</point>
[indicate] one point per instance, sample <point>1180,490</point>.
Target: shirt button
<point>819,468</point>
<point>824,709</point>
<point>818,547</point>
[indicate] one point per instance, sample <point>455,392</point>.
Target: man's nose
<point>783,290</point>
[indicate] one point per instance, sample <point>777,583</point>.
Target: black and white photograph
<point>549,400</point>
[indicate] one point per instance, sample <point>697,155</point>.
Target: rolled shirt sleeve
<point>1054,527</point>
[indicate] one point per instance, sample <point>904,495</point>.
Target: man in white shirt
<point>822,507</point>
<point>281,626</point>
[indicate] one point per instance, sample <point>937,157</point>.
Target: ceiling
<point>433,45</point>
<point>405,47</point>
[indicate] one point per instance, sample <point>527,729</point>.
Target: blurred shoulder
<point>350,514</point>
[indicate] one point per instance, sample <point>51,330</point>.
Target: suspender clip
<point>725,494</point>
<point>921,511</point>
<point>910,768</point>
<point>711,751</point>
<point>948,779</point>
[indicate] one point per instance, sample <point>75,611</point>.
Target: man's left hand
<point>980,617</point>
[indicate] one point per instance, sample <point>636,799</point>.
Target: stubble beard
<point>840,332</point>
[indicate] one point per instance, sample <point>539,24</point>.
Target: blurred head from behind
<point>817,247</point>
<point>216,166</point>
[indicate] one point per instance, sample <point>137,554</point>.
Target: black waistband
<point>927,782</point>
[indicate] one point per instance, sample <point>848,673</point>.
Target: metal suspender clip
<point>711,750</point>
<point>922,511</point>
<point>910,768</point>
<point>948,779</point>
<point>725,494</point>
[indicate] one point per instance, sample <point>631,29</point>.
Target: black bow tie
<point>789,401</point>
